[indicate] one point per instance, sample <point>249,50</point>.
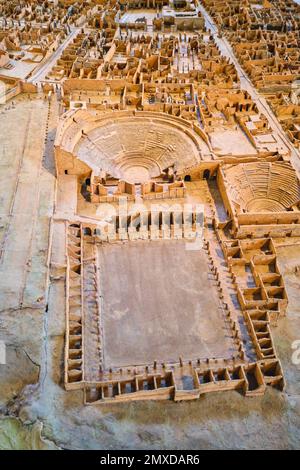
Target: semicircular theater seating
<point>262,187</point>
<point>133,146</point>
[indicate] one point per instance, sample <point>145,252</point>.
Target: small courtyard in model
<point>143,285</point>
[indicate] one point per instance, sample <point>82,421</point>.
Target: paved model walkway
<point>41,74</point>
<point>26,195</point>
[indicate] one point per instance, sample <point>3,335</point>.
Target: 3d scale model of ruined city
<point>150,201</point>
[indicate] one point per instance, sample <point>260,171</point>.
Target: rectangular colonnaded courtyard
<point>159,302</point>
